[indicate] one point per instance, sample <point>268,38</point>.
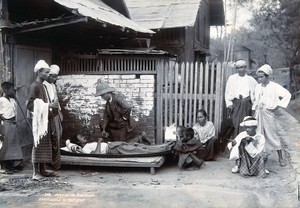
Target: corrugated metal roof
<point>99,11</point>
<point>155,14</point>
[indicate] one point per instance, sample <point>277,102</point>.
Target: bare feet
<point>145,139</point>
<point>48,173</point>
<point>37,177</point>
<point>282,162</point>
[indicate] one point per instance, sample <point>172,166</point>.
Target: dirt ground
<point>211,186</point>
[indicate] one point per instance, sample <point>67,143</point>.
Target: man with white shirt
<point>55,114</point>
<point>40,106</point>
<point>247,149</point>
<point>239,95</point>
<point>269,96</point>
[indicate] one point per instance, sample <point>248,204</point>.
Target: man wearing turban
<point>269,96</point>
<point>247,148</point>
<point>39,105</point>
<point>55,127</point>
<point>239,95</point>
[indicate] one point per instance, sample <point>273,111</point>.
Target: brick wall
<point>82,110</point>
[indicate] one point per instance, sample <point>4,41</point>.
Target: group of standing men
<point>245,97</point>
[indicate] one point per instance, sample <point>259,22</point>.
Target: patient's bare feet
<point>145,139</point>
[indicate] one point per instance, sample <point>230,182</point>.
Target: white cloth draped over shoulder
<point>253,148</point>
<point>39,120</point>
<point>237,85</point>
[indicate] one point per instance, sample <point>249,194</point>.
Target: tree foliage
<point>277,22</point>
<point>274,36</point>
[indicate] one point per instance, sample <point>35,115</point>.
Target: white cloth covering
<point>87,149</point>
<point>253,148</point>
<point>39,120</point>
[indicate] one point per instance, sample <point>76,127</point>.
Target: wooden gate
<point>186,87</point>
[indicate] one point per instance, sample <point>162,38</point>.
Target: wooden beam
<point>58,23</point>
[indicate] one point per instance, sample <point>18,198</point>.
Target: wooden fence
<point>187,87</point>
<point>181,89</point>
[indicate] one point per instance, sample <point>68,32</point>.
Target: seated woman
<point>247,150</point>
<point>205,133</point>
<point>80,144</point>
<point>189,150</point>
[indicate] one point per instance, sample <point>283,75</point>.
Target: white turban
<point>249,121</point>
<point>240,63</point>
<point>41,64</point>
<point>54,69</point>
<point>265,69</point>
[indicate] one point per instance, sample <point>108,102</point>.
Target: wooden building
<point>74,33</point>
<point>50,29</point>
<point>182,26</point>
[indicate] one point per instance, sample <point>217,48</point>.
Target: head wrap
<point>265,69</point>
<point>54,69</point>
<point>249,121</point>
<point>240,63</point>
<point>41,64</point>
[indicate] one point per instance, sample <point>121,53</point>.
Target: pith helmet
<point>103,88</point>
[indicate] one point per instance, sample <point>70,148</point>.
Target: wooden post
<point>3,20</point>
<point>159,102</point>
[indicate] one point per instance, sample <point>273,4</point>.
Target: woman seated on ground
<point>247,150</point>
<point>205,133</point>
<point>189,149</point>
<point>80,144</point>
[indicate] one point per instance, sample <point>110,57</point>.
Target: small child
<point>11,152</point>
<point>179,132</point>
<point>190,150</point>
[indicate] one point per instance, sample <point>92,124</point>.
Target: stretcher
<point>151,161</point>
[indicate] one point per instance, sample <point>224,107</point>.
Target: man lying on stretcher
<point>80,144</point>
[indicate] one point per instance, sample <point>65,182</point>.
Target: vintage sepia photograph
<point>149,103</point>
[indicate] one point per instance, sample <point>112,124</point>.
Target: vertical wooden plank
<point>88,64</point>
<point>176,77</point>
<point>211,97</point>
<point>218,106</point>
<point>191,82</point>
<point>186,94</point>
<point>134,65</point>
<point>201,86</point>
<point>171,81</point>
<point>109,64</point>
<point>165,97</point>
<point>196,79</point>
<point>206,86</point>
<point>182,72</point>
<point>159,102</point>
<point>224,80</point>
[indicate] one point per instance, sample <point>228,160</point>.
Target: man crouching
<point>247,149</point>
